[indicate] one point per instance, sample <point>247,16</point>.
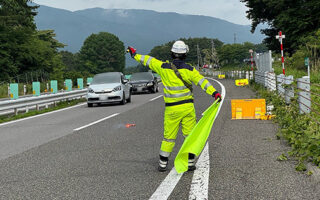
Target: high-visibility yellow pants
<point>183,114</point>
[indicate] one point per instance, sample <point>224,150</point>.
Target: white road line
<point>200,179</point>
<point>156,98</point>
<point>166,187</point>
<point>100,120</point>
<point>169,183</point>
<point>48,113</point>
<point>223,93</point>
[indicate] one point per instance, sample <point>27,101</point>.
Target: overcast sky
<point>230,10</point>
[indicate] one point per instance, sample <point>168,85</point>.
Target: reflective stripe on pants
<point>173,116</point>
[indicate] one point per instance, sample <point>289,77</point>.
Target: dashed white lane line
<point>166,187</point>
<point>48,113</point>
<point>200,179</point>
<point>202,176</point>
<point>156,98</point>
<point>95,122</point>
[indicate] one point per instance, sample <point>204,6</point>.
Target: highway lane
<point>108,161</point>
<point>102,161</point>
<point>33,132</point>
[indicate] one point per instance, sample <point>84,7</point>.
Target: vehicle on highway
<point>108,88</point>
<point>144,82</point>
<point>157,76</point>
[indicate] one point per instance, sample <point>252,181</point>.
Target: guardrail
<point>298,92</point>
<point>41,100</point>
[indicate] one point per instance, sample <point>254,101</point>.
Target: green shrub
<point>300,130</point>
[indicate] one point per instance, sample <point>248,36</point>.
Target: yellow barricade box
<point>221,76</point>
<point>248,108</point>
<point>242,82</point>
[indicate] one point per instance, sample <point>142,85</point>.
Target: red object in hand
<point>217,95</point>
<point>132,51</point>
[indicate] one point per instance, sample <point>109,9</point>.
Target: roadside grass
<point>300,130</point>
<point>60,105</point>
<point>3,91</point>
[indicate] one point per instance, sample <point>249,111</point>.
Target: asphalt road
<point>44,158</point>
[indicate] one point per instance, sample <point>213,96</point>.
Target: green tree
<point>22,48</point>
<point>297,19</point>
<point>163,52</point>
<point>70,60</point>
<point>102,52</point>
<point>73,69</point>
<point>16,32</point>
<point>235,53</point>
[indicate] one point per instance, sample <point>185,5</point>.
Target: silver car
<point>107,88</point>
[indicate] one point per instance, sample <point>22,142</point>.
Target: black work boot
<point>163,164</point>
<point>192,162</point>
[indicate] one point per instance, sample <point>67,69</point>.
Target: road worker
<point>177,78</point>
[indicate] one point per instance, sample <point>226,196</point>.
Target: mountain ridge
<point>140,28</point>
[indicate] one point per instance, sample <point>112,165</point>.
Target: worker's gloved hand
<point>132,51</point>
<point>217,95</point>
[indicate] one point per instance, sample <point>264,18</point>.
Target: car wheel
<point>157,89</point>
<point>90,104</point>
<point>123,99</point>
<point>129,99</point>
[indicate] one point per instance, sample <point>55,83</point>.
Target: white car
<point>108,88</point>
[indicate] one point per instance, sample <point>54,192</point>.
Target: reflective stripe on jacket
<point>174,89</point>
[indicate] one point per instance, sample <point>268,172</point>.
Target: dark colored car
<point>144,82</point>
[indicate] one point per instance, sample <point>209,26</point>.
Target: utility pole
<point>215,58</point>
<point>199,57</point>
<point>234,38</point>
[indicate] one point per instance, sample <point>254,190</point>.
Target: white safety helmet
<point>179,47</point>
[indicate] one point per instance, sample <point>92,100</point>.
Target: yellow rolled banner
<point>197,139</point>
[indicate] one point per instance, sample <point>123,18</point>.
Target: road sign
<point>306,61</point>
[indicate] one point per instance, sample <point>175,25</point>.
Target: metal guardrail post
<point>304,97</point>
<point>280,82</point>
<point>289,91</point>
<point>271,79</point>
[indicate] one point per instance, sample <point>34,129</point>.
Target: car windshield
<point>106,78</point>
<point>141,76</point>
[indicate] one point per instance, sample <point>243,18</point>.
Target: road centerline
<point>95,122</point>
<point>166,187</point>
<point>156,98</point>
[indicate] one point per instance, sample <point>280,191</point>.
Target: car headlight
<point>118,88</point>
<point>150,84</point>
<point>90,90</point>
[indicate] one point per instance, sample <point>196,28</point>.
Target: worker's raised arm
<point>146,60</point>
<point>205,85</point>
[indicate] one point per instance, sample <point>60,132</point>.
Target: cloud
<point>230,10</point>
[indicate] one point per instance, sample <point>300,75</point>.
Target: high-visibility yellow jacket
<point>175,92</point>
